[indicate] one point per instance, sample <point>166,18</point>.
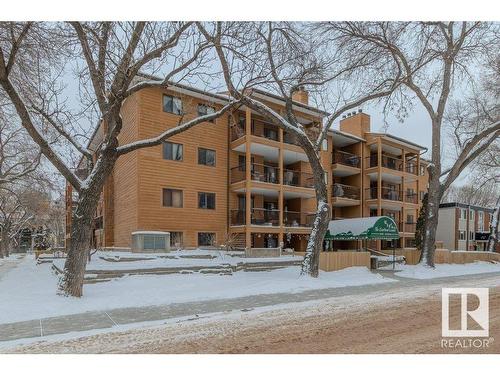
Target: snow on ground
<point>29,291</point>
<point>164,260</point>
<point>444,270</point>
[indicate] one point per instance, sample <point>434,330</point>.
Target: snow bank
<point>444,270</point>
<point>31,290</point>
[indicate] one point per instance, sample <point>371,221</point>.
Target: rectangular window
<point>152,242</point>
<point>172,198</point>
<point>324,145</point>
<point>172,151</point>
<point>409,219</point>
<point>464,214</point>
<point>422,194</point>
<point>422,170</point>
<point>172,104</point>
<point>271,133</point>
<point>472,213</point>
<point>206,239</point>
<point>206,200</point>
<point>206,157</point>
<point>204,110</point>
<point>176,240</point>
<point>461,235</point>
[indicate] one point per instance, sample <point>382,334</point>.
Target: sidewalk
<point>115,317</point>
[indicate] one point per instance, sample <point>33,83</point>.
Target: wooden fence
<point>412,256</point>
<point>337,260</point>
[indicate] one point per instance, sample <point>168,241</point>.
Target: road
<point>403,318</point>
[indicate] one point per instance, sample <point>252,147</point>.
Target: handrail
<point>346,158</point>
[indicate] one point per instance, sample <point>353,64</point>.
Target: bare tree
<point>286,58</point>
<point>438,59</point>
<point>481,193</point>
<point>13,217</point>
<point>34,59</point>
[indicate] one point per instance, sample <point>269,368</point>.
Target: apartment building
<point>464,227</point>
<point>243,180</point>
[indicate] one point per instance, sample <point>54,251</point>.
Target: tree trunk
<point>5,244</point>
<point>493,239</point>
<point>71,283</point>
<point>310,265</point>
<point>431,221</point>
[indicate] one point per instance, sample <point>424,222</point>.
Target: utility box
<point>150,242</point>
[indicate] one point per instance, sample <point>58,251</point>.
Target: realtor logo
<point>477,316</point>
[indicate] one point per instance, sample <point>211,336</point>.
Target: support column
<point>403,196</point>
<point>280,194</point>
<point>248,178</point>
<point>379,184</point>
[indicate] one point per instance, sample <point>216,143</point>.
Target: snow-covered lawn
<point>106,260</point>
<point>29,290</point>
<point>444,270</point>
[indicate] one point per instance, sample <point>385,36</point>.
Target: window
<point>409,219</point>
<point>422,194</point>
<point>206,239</point>
<point>464,214</point>
<point>480,221</point>
<point>172,104</point>
<point>206,157</point>
<point>472,213</point>
<point>204,110</point>
<point>461,235</point>
<point>176,240</point>
<point>326,177</point>
<point>324,145</point>
<point>172,151</point>
<point>152,242</point>
<point>172,198</point>
<point>422,170</point>
<point>471,235</point>
<point>270,133</point>
<point>206,200</point>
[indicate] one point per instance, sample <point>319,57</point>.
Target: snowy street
<point>35,313</point>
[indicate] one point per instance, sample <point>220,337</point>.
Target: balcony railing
<point>411,198</point>
<point>386,193</point>
<point>298,178</point>
<point>238,217</point>
<point>387,162</point>
<point>237,131</point>
<point>290,139</point>
<point>410,227</point>
<point>258,172</point>
<point>346,158</point>
<point>298,219</point>
<point>262,216</point>
<point>411,167</point>
<point>266,217</point>
<point>345,191</point>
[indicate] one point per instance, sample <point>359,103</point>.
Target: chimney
<point>301,96</point>
<point>356,123</point>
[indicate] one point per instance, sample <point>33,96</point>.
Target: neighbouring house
<point>464,227</point>
<point>243,179</point>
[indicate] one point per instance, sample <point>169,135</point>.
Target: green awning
<point>363,228</point>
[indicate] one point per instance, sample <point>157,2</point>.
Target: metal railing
<point>262,216</point>
<point>345,191</point>
<point>298,219</point>
<point>410,227</point>
<point>386,193</point>
<point>258,172</point>
<point>237,131</point>
<point>346,158</point>
<point>387,162</point>
<point>411,167</point>
<point>290,139</point>
<point>298,178</point>
<point>411,198</point>
<point>238,217</point>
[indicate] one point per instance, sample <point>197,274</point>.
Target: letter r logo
<point>480,315</point>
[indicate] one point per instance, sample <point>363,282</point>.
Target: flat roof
<point>401,140</point>
<point>464,205</point>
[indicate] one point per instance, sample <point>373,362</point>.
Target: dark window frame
<point>172,158</point>
<point>172,110</point>
<point>163,200</point>
<point>206,200</point>
<point>206,112</point>
<point>214,158</point>
<point>213,236</point>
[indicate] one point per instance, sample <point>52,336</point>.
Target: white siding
<point>446,227</point>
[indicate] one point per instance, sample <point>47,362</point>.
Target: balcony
<point>411,167</point>
<point>265,217</point>
<point>411,198</point>
<point>290,139</point>
<point>298,178</point>
<point>410,227</point>
<point>237,217</point>
<point>298,219</point>
<point>386,193</point>
<point>387,162</point>
<point>346,158</point>
<point>258,172</point>
<point>345,191</point>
